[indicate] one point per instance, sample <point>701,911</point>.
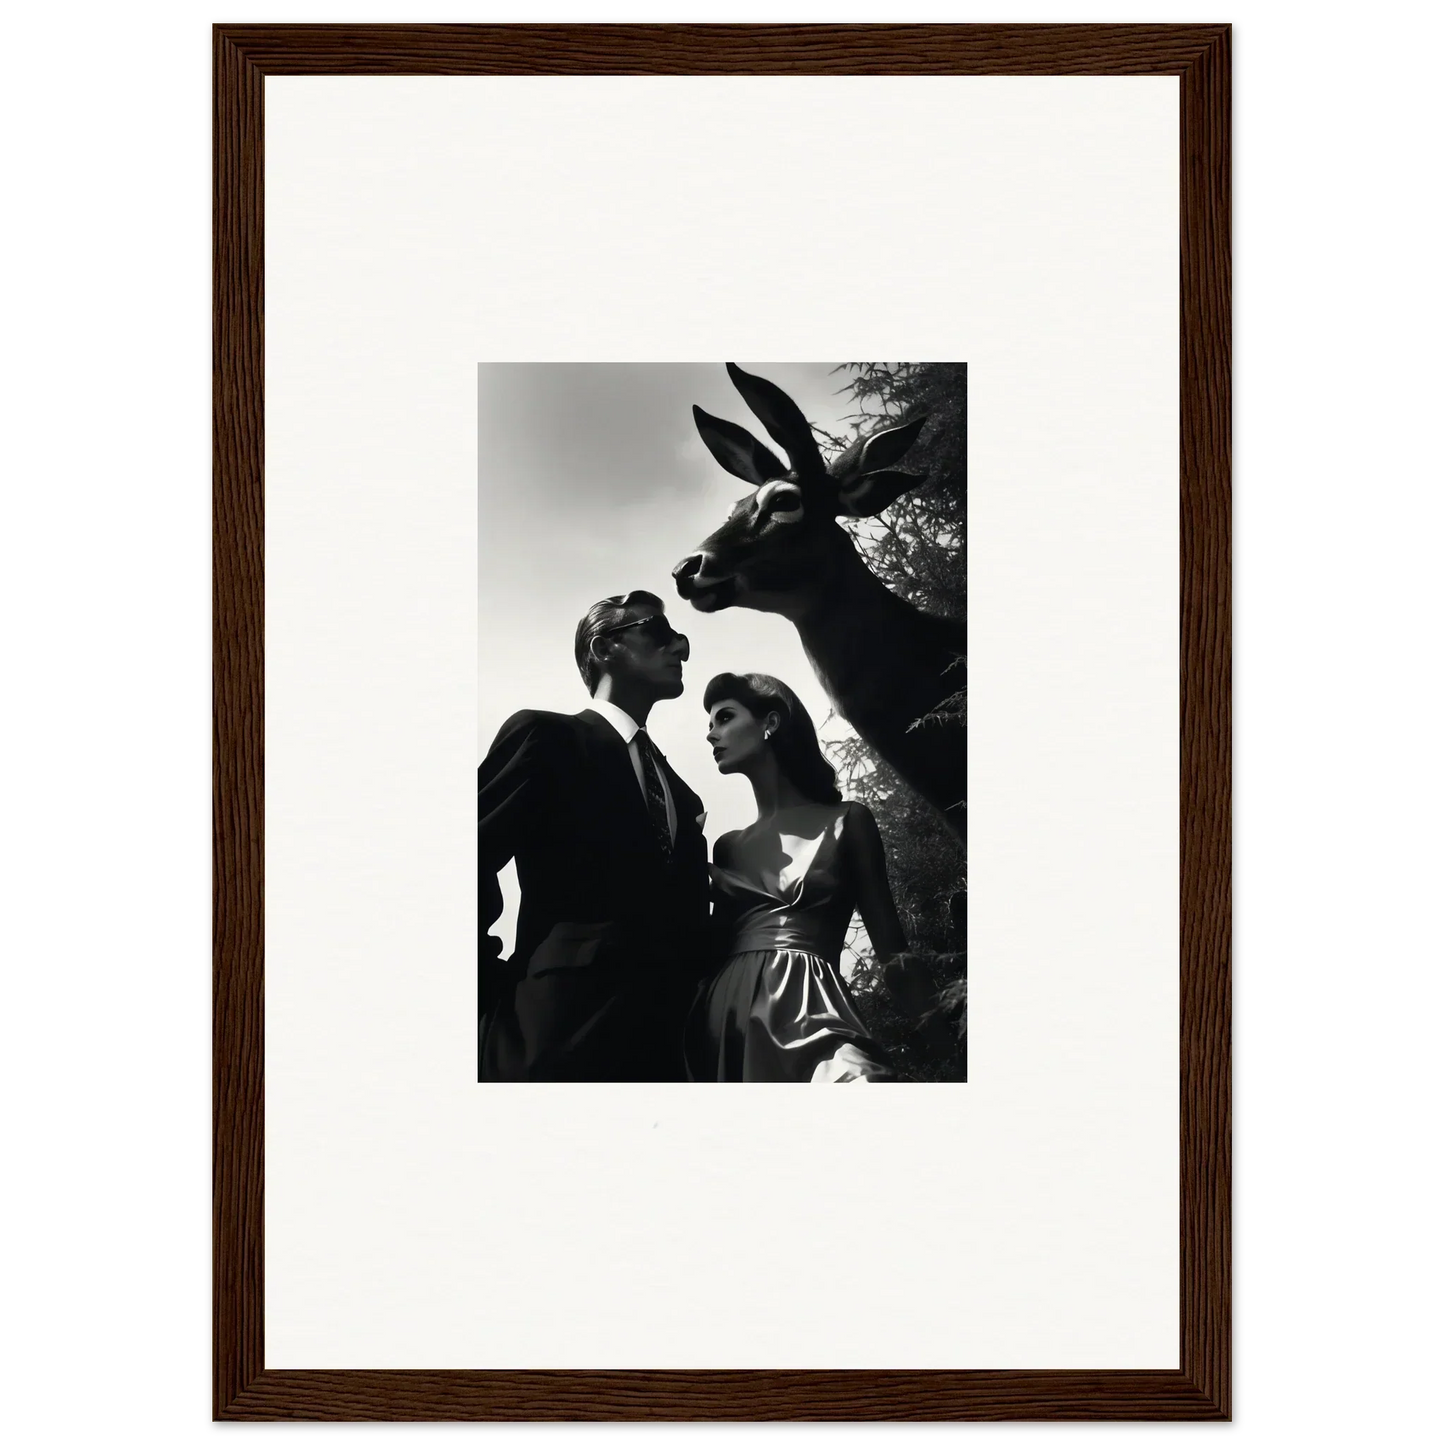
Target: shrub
<point>919,549</point>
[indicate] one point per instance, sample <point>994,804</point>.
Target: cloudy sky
<point>593,480</point>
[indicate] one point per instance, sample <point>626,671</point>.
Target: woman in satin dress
<point>785,889</point>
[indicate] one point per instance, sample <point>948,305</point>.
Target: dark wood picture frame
<point>1199,55</point>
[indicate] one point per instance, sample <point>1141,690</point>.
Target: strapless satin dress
<point>779,1011</point>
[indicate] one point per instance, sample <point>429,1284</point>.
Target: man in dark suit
<point>611,934</point>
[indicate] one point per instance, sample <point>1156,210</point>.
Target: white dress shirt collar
<point>625,724</point>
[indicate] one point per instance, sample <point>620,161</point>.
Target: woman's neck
<point>773,790</point>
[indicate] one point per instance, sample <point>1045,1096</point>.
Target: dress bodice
<point>784,885</point>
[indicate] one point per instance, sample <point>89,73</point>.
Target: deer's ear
<point>779,413</point>
<point>738,450</point>
<point>874,491</point>
<point>884,448</point>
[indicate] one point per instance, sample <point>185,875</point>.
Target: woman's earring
<point>766,734</point>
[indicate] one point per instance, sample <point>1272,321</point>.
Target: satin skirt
<point>780,1016</point>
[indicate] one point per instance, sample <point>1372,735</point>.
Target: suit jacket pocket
<point>568,945</point>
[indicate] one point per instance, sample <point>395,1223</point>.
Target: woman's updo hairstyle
<point>794,743</point>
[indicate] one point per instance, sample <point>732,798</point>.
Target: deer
<point>884,664</point>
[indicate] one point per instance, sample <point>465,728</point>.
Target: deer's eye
<point>780,501</point>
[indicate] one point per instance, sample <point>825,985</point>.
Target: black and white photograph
<point>722,722</point>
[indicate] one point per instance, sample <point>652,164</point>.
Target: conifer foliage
<point>919,549</point>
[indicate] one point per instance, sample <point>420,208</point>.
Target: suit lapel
<point>617,783</point>
<point>686,804</point>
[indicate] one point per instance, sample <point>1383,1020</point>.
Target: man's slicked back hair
<point>610,612</point>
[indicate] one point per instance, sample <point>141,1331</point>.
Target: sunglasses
<point>656,629</point>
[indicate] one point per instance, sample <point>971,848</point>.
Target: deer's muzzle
<point>696,585</point>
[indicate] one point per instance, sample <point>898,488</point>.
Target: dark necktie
<point>652,787</point>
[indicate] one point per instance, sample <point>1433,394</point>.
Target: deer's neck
<point>881,660</point>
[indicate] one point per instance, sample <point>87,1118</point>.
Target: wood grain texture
<point>722,1395</point>
<point>238,628</point>
<point>721,49</point>
<point>1204,721</point>
<point>1199,1390</point>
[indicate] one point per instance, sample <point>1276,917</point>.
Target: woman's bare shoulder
<point>860,835</point>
